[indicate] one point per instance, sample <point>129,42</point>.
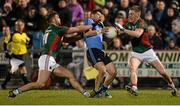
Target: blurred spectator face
<point>176,26</point>
<point>124,3</point>
<point>171,44</point>
<point>148,16</point>
<point>97,16</point>
<point>23,3</point>
<point>32,12</point>
<point>120,20</point>
<point>42,2</point>
<point>143,2</point>
<point>43,11</point>
<point>117,43</point>
<point>170,12</point>
<point>133,16</point>
<point>110,4</point>
<point>62,4</point>
<point>7,7</point>
<point>174,4</point>
<point>160,5</point>
<point>19,26</point>
<point>6,31</point>
<point>87,14</point>
<point>151,30</point>
<point>105,11</point>
<point>73,2</point>
<point>9,1</point>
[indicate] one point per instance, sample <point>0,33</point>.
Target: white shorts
<point>148,56</point>
<point>47,62</point>
<point>15,64</point>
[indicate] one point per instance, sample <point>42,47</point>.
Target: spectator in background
<point>171,45</point>
<point>76,10</point>
<point>150,20</point>
<point>77,60</point>
<point>21,10</point>
<point>110,5</point>
<point>32,28</point>
<point>8,14</point>
<point>175,5</point>
<point>64,13</point>
<point>166,20</point>
<point>124,5</point>
<point>159,11</point>
<point>176,30</point>
<point>17,52</point>
<point>116,44</point>
<point>42,23</point>
<point>146,6</point>
<point>154,38</point>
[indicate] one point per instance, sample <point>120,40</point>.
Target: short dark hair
<point>51,14</point>
<point>96,10</point>
<point>135,8</point>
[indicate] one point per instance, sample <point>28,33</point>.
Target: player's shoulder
<point>88,21</point>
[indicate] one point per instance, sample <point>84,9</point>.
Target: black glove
<point>98,23</point>
<point>7,55</point>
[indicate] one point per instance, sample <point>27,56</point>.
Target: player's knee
<point>132,69</point>
<point>102,72</point>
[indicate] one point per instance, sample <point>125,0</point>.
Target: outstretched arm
<point>81,28</point>
<point>137,33</point>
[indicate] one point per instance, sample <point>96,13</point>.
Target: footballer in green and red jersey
<point>53,40</point>
<point>142,43</point>
<point>142,50</point>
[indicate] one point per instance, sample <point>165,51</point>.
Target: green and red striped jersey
<point>142,43</point>
<point>52,40</point>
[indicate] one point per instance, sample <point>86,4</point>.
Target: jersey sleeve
<point>88,21</point>
<point>61,31</point>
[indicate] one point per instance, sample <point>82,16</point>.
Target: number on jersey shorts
<point>47,62</point>
<point>148,56</point>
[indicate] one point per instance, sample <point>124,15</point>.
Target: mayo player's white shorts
<point>148,56</point>
<point>15,64</point>
<point>47,62</point>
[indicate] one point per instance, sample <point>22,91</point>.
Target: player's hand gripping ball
<point>112,33</point>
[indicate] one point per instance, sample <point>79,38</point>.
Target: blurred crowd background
<point>162,16</point>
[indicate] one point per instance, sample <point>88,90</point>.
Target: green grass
<point>72,97</point>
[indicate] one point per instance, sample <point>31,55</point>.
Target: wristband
<point>98,31</point>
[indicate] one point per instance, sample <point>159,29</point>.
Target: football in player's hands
<point>119,26</point>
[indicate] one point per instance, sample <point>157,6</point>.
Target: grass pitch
<point>72,97</point>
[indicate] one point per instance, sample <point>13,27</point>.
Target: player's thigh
<point>111,69</point>
<point>134,63</point>
<point>63,72</point>
<point>158,66</point>
<point>43,76</point>
<point>100,66</point>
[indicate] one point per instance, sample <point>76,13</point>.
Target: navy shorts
<point>95,55</point>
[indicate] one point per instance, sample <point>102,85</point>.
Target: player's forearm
<point>132,33</point>
<point>92,33</point>
<point>83,28</point>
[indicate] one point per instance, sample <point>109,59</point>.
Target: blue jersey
<point>96,40</point>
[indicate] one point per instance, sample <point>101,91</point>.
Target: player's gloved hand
<point>119,26</point>
<point>7,55</point>
<point>98,23</point>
